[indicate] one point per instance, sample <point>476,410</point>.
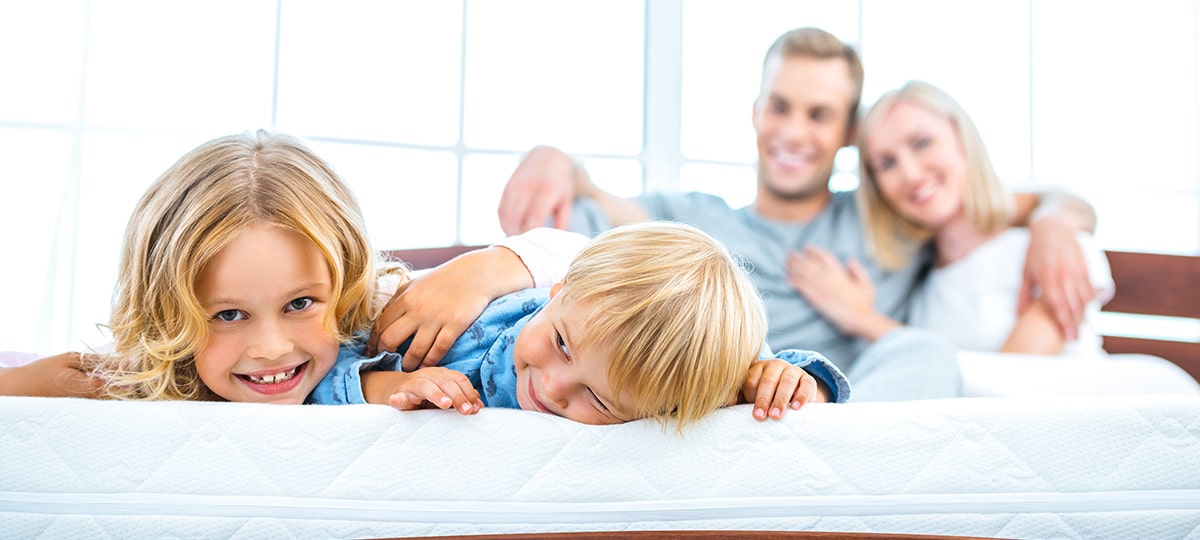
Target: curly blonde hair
<point>187,216</point>
<point>682,318</point>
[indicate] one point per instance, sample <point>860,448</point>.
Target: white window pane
<point>620,177</point>
<point>723,47</point>
<point>371,69</point>
<point>734,183</point>
<point>116,169</point>
<point>1116,112</point>
<point>43,60</point>
<point>484,176</point>
<point>408,197</point>
<point>31,200</point>
<point>981,58</point>
<point>1147,221</point>
<point>205,65</point>
<point>547,71</point>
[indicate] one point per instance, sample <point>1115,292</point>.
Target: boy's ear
<point>555,288</point>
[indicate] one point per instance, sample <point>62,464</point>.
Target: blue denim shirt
<point>484,353</point>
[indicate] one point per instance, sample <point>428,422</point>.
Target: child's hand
<point>437,307</point>
<point>427,387</point>
<point>773,385</point>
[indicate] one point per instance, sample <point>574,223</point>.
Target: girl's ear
<point>555,288</point>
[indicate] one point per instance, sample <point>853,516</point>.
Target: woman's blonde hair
<point>682,318</point>
<point>194,210</point>
<point>892,239</point>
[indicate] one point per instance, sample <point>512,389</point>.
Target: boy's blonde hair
<point>893,239</point>
<point>682,318</point>
<point>194,210</point>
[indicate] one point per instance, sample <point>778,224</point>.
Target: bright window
<point>426,108</point>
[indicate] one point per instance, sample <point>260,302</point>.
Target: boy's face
<point>556,375</point>
<point>265,294</point>
<point>801,119</point>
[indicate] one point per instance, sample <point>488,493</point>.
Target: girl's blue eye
<point>299,304</point>
<point>229,315</point>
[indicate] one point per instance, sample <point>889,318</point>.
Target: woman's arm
<point>1035,332</point>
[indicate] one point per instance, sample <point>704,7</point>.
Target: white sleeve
<point>1098,269</point>
<point>546,252</point>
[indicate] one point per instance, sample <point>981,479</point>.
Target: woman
<point>926,180</point>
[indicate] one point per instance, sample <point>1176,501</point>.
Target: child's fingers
<point>405,401</point>
<point>789,380</point>
<point>766,403</point>
<point>462,395</point>
<point>806,391</point>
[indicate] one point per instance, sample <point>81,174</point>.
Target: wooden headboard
<point>1147,284</point>
<point>1156,284</point>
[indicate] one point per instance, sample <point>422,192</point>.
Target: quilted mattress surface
<point>1079,467</point>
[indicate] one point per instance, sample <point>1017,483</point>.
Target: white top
<point>973,301</point>
<point>546,252</point>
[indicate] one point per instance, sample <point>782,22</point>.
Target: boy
<point>652,320</point>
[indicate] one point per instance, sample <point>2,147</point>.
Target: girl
<point>245,266</point>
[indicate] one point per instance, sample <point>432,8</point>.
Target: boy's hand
<point>429,387</point>
<point>773,385</point>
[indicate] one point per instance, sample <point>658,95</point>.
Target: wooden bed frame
<point>1146,284</point>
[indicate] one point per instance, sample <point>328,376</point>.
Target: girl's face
<point>266,294</point>
<point>919,164</point>
<point>556,377</point>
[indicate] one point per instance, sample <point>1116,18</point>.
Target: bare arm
<point>1055,267</point>
<point>544,187</point>
<point>426,387</point>
<point>54,376</point>
<point>1035,332</point>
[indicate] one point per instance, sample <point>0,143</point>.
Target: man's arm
<point>544,186</point>
<point>1054,263</point>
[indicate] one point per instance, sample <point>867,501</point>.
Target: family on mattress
<point>247,275</point>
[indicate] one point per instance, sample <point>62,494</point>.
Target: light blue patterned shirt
<point>484,353</point>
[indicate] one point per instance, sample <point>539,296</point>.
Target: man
<point>805,112</point>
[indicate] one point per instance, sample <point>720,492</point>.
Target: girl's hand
<point>437,307</point>
<point>774,385</point>
<point>425,388</point>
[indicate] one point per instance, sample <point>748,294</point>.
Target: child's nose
<point>270,341</point>
<point>555,388</point>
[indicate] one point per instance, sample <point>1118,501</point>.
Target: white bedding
<point>1062,467</point>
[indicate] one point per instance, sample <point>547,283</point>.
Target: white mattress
<point>1065,467</point>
